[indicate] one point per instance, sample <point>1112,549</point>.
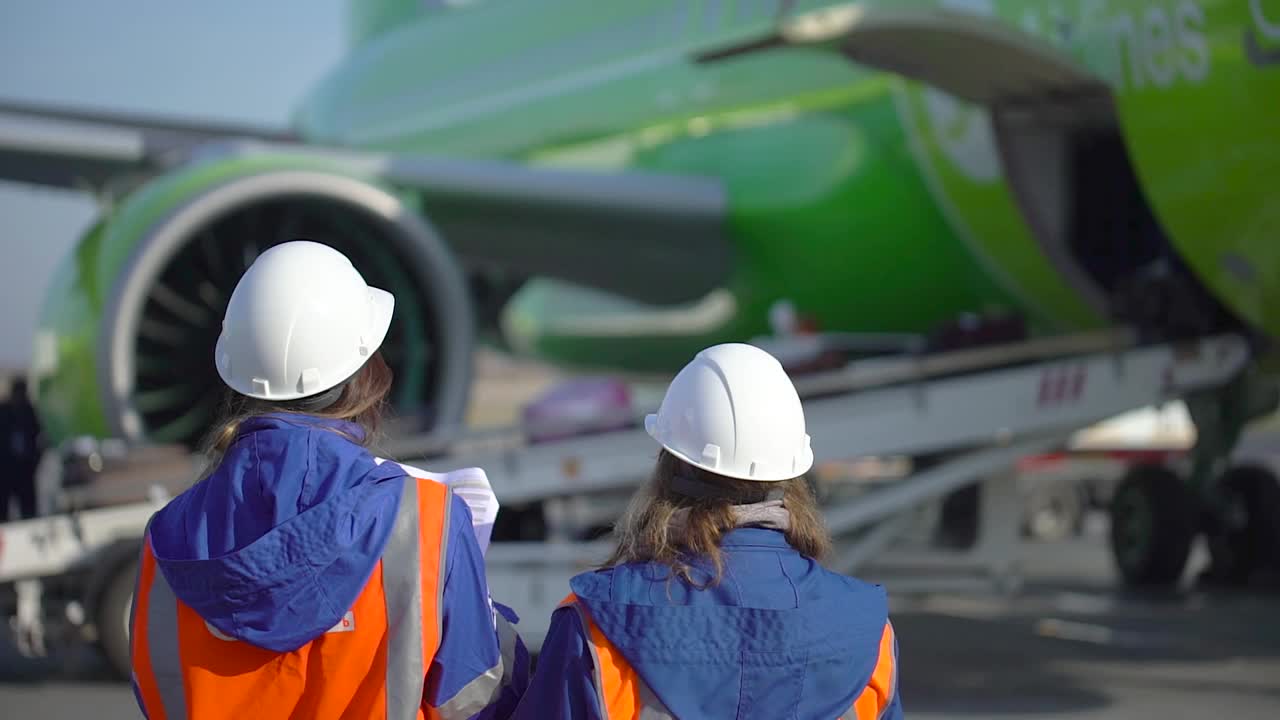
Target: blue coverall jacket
<point>778,637</point>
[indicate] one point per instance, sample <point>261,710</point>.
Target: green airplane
<point>616,184</point>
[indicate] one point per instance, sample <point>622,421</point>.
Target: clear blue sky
<point>245,60</point>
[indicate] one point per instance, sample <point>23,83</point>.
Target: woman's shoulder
<point>594,584</point>
<point>837,584</point>
<point>626,582</point>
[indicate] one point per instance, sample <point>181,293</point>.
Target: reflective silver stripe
<point>483,691</point>
<point>402,593</point>
<point>475,695</point>
<point>162,641</point>
<point>651,708</point>
<point>595,657</point>
<point>444,556</point>
<point>507,646</point>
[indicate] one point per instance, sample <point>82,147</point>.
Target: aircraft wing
<point>63,148</point>
<point>654,238</point>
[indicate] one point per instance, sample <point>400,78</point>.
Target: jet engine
<point>135,312</point>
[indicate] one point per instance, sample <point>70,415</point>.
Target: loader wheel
<point>1153,521</point>
<point>1248,537</point>
<point>112,620</point>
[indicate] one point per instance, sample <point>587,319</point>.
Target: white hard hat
<point>733,411</point>
<point>300,321</point>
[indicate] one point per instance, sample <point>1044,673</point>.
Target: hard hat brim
<point>651,427</point>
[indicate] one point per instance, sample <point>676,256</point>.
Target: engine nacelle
<point>125,346</point>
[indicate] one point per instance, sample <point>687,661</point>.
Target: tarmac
<point>1070,645</point>
<point>1067,645</point>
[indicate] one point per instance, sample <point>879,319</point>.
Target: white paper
<point>472,486</point>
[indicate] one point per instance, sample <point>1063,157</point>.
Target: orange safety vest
<point>372,664</point>
<point>624,695</point>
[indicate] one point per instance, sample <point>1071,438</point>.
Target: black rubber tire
<point>1252,541</point>
<point>1154,518</point>
<point>112,619</point>
<point>959,521</point>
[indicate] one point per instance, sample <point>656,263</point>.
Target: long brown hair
<point>362,401</point>
<point>646,532</point>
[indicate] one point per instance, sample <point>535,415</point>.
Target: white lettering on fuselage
<point>1157,44</point>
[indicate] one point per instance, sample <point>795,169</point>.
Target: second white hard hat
<point>301,320</point>
<point>733,411</point>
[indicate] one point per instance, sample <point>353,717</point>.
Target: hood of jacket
<point>275,545</point>
<point>779,636</point>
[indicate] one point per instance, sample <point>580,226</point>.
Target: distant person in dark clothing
<point>21,445</point>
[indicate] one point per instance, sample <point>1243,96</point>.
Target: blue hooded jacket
<point>278,542</point>
<point>778,637</point>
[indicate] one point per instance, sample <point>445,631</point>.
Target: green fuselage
<point>870,201</point>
